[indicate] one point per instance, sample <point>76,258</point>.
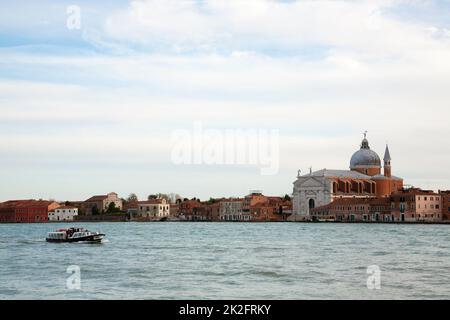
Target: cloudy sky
<point>91,110</point>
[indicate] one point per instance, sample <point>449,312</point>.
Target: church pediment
<point>310,183</point>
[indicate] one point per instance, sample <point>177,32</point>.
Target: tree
<point>95,211</point>
<point>112,208</point>
<point>152,197</point>
<point>287,198</point>
<point>163,196</point>
<point>132,197</point>
<point>174,197</point>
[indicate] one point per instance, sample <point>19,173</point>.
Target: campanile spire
<point>387,163</point>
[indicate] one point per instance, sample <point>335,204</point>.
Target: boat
<point>74,235</point>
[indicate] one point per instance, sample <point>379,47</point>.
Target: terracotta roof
<point>416,191</point>
<point>130,205</point>
<point>25,203</point>
<point>233,200</point>
<point>97,198</point>
<point>67,207</point>
<point>153,201</point>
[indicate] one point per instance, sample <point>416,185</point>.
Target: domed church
<point>363,180</point>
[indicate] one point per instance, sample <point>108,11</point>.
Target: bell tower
<point>387,163</point>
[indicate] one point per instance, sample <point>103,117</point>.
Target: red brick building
<point>174,209</point>
<point>207,211</point>
<point>256,207</point>
<point>189,208</point>
<point>27,211</point>
<point>348,210</point>
<point>410,205</point>
<point>407,205</point>
<point>445,200</point>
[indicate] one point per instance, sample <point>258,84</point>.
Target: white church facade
<point>363,180</point>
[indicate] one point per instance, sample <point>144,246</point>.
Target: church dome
<point>365,158</point>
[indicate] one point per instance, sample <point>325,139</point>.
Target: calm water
<point>228,261</point>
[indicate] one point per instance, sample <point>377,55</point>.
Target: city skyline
<point>92,110</point>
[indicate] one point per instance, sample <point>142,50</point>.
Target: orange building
<point>266,208</point>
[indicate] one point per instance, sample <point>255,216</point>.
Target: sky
<point>94,107</point>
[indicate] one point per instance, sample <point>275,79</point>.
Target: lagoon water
<point>176,260</point>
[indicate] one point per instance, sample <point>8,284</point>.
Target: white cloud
<point>268,25</point>
<point>219,62</point>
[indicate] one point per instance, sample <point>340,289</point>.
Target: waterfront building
<point>363,180</point>
<point>445,200</point>
<point>131,208</point>
<point>253,199</point>
<point>255,207</point>
<point>174,209</point>
<point>101,203</point>
<point>76,204</point>
<point>416,205</point>
<point>64,213</point>
<point>188,208</point>
<point>26,210</point>
<point>155,208</point>
<point>213,210</point>
<point>207,211</point>
<point>232,209</point>
<point>354,210</point>
<point>406,205</point>
<point>267,208</point>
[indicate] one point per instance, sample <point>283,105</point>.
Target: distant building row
<point>407,205</point>
<point>254,207</point>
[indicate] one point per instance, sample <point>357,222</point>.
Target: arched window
<point>312,204</point>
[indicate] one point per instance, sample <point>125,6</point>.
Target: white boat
<point>74,235</point>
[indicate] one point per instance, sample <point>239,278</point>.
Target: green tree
<point>163,196</point>
<point>287,198</point>
<point>132,197</point>
<point>152,197</point>
<point>95,211</point>
<point>112,208</point>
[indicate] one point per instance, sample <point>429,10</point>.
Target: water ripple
<point>228,261</point>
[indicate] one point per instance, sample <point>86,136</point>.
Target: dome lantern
<point>365,160</point>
